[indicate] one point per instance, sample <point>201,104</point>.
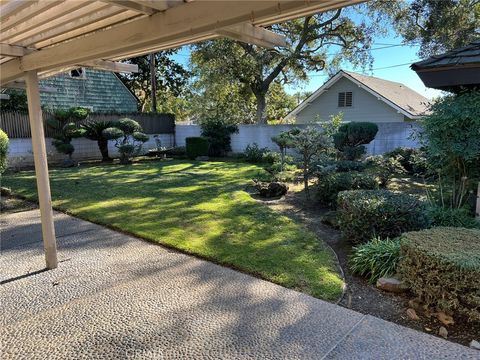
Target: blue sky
<point>390,63</point>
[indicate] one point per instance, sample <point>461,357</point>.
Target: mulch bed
<point>360,295</point>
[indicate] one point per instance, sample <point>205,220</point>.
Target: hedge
<point>442,267</point>
<point>331,184</point>
<point>363,214</point>
<point>196,146</point>
<point>3,150</point>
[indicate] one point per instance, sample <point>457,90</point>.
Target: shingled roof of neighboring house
<point>467,55</point>
<point>397,95</point>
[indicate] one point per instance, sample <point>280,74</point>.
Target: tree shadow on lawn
<point>202,213</point>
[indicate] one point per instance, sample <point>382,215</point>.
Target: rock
<point>443,332</point>
<point>201,158</point>
<point>445,319</point>
<point>475,345</point>
<point>273,189</point>
<point>390,284</point>
<point>412,314</point>
<point>4,191</point>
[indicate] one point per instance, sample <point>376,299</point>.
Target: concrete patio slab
<point>115,296</point>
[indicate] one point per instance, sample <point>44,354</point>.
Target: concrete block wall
<point>390,136</point>
<point>20,150</point>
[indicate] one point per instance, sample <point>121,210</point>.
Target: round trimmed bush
<point>3,150</point>
<point>363,214</point>
<point>442,267</point>
<point>196,146</point>
<point>128,126</point>
<point>331,184</point>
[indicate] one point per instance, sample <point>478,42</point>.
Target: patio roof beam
<point>13,50</point>
<point>132,5</point>
<point>114,66</point>
<point>174,25</point>
<point>253,35</point>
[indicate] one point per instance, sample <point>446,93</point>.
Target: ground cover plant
<point>199,208</point>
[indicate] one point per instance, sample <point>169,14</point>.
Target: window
<point>78,73</point>
<point>345,99</point>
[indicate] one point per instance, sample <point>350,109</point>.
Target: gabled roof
<point>467,56</point>
<point>398,96</point>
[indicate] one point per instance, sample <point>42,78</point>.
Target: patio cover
<point>45,37</point>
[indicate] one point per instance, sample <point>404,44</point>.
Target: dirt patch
<point>11,204</point>
<point>360,295</point>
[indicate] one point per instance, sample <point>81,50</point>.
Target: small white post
<point>41,169</point>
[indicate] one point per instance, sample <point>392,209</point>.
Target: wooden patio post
<point>41,169</point>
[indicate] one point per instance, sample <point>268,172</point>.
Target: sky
<point>392,62</point>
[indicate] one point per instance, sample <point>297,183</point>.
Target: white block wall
<point>389,136</point>
<point>20,150</point>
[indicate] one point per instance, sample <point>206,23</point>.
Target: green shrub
<point>330,185</point>
<point>351,137</point>
<point>177,151</point>
<point>383,168</point>
<point>442,267</point>
<point>363,214</point>
<point>411,161</point>
<point>344,165</point>
<point>128,126</point>
<point>3,151</point>
<point>376,258</point>
<point>218,133</point>
<point>196,146</point>
<point>254,154</point>
<point>440,216</point>
<point>112,133</point>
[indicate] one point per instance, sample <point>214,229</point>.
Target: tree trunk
<point>261,115</point>
<point>103,146</point>
<point>153,81</point>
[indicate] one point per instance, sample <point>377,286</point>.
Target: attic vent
<point>345,99</point>
<point>78,73</point>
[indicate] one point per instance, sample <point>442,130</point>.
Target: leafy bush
<point>331,184</point>
<point>64,122</point>
<point>383,168</point>
<point>451,138</point>
<point>196,146</point>
<point>351,138</point>
<point>363,214</point>
<point>3,151</point>
<point>177,151</point>
<point>345,165</point>
<point>442,267</point>
<point>128,138</point>
<point>462,217</point>
<point>254,154</point>
<point>218,134</point>
<point>411,161</point>
<point>376,258</point>
<point>93,130</point>
<point>309,143</point>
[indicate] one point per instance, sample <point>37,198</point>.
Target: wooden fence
<point>17,125</point>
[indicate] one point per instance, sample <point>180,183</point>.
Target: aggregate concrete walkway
<point>115,297</point>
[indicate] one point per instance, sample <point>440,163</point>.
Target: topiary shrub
<point>196,146</point>
<point>442,267</point>
<point>330,185</point>
<point>440,216</point>
<point>3,151</point>
<point>363,214</point>
<point>218,133</point>
<point>351,138</point>
<point>376,258</point>
<point>254,154</point>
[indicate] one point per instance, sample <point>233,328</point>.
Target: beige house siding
<point>366,107</point>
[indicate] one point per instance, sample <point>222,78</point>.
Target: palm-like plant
<point>94,131</point>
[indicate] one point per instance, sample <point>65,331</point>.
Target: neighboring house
<point>100,91</point>
<point>361,98</point>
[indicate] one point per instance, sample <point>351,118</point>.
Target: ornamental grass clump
<point>363,214</point>
<point>442,267</point>
<point>376,258</point>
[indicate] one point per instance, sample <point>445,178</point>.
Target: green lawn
<point>199,208</point>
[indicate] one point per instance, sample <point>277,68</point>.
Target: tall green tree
<point>439,25</point>
<point>309,42</point>
<point>171,78</point>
